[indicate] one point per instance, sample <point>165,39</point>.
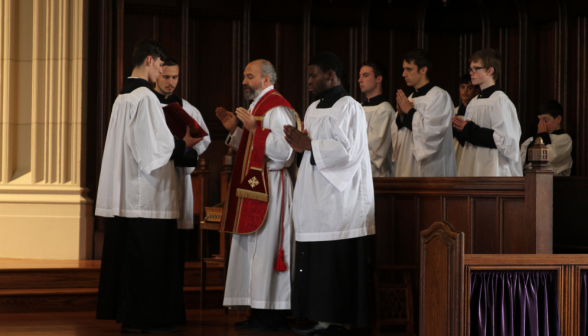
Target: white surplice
<point>378,122</point>
<point>184,181</point>
<point>560,153</point>
<point>498,113</point>
<point>334,199</point>
<point>457,147</point>
<point>252,280</point>
<point>137,178</point>
<point>427,150</point>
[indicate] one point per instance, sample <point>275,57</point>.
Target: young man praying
<point>490,131</point>
<point>422,138</point>
<point>333,208</point>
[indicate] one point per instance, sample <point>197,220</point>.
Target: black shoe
<point>244,325</point>
<point>336,330</point>
<point>317,329</point>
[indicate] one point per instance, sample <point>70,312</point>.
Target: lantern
<point>539,155</point>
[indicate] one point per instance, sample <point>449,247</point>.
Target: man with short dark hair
<point>490,131</point>
<point>164,90</point>
<point>467,91</point>
<point>554,137</point>
<point>422,138</point>
<point>333,207</point>
<point>378,114</point>
<point>137,192</point>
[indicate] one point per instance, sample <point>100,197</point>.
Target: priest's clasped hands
<point>229,119</point>
<point>299,141</point>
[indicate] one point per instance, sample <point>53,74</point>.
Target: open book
<point>177,119</point>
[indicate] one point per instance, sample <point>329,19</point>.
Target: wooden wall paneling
<point>291,65</point>
<point>434,212</point>
<point>562,55</point>
<point>523,64</point>
<point>386,235</point>
<point>185,55</point>
<point>457,213</point>
<point>99,101</point>
<point>569,214</point>
<point>538,222</point>
<point>120,45</point>
<point>487,228</point>
<point>405,251</point>
<point>515,240</point>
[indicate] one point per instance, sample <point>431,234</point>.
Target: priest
<point>333,207</point>
<point>258,206</point>
<point>554,137</point>
<point>490,131</point>
<point>164,90</point>
<point>137,193</point>
<point>422,137</point>
<point>378,113</point>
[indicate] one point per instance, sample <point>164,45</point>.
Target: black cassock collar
<point>331,96</point>
<point>423,90</point>
<point>170,100</point>
<point>133,83</point>
<point>461,110</point>
<point>374,101</point>
<point>487,92</point>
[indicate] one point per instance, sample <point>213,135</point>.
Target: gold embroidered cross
<point>253,182</point>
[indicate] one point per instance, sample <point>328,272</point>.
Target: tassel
<point>281,265</point>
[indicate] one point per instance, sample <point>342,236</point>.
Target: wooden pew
<point>444,265</point>
<point>498,215</point>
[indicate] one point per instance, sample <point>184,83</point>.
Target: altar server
<point>378,113</point>
<point>139,285</point>
<point>422,138</point>
<point>333,207</point>
<point>467,91</point>
<point>490,131</point>
<point>554,137</point>
<point>164,90</point>
<point>258,215</point>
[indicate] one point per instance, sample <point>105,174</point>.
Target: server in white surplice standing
<point>422,138</point>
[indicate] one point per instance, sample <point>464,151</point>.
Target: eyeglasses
<point>474,69</point>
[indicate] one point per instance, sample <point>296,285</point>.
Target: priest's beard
<point>251,93</point>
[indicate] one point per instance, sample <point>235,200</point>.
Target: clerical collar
<point>374,101</point>
<point>266,90</point>
<point>133,83</point>
<point>170,100</point>
<point>559,132</point>
<point>331,96</point>
<point>423,90</point>
<point>461,110</point>
<point>487,92</point>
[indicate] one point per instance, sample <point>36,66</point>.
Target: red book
<point>177,119</point>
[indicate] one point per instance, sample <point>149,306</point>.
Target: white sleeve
<point>194,113</point>
<point>524,148</point>
<point>394,137</point>
<point>276,147</point>
<point>378,129</point>
<point>507,129</point>
<point>233,140</point>
<point>560,150</point>
<point>148,136</point>
<point>339,158</point>
<point>429,125</point>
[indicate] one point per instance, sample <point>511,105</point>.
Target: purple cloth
<point>583,303</point>
<point>514,303</point>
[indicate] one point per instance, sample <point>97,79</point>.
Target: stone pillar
<point>44,210</point>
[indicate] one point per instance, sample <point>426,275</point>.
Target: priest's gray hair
<point>267,69</point>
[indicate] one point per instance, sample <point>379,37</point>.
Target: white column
<point>44,210</point>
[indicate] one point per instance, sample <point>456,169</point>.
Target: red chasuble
<point>247,201</point>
